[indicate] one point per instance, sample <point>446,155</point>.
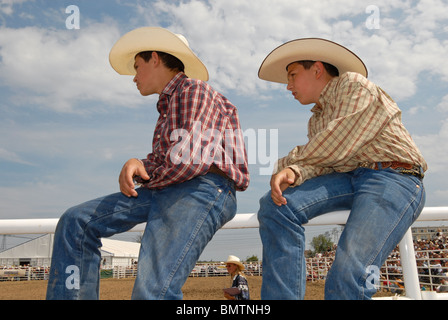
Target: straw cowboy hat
<point>123,53</point>
<point>235,260</point>
<point>274,65</point>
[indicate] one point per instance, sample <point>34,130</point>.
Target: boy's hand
<point>279,183</point>
<point>131,168</point>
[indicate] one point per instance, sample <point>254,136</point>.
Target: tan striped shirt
<point>354,122</point>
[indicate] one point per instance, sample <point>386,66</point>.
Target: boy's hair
<point>331,69</point>
<point>170,61</point>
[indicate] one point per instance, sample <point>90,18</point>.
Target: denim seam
<point>188,245</point>
<point>299,268</point>
<point>362,280</point>
<point>296,212</point>
<point>298,224</point>
<point>91,221</point>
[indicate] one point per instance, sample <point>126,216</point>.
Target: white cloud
<point>11,156</point>
<point>443,105</point>
<point>6,6</point>
<point>63,70</point>
<point>233,37</point>
<point>435,148</point>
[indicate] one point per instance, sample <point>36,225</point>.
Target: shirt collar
<point>167,92</point>
<point>171,86</point>
<point>325,95</point>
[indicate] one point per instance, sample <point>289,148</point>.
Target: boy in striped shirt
<point>359,157</point>
<point>198,162</point>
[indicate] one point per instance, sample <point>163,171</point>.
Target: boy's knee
<point>69,220</point>
<point>265,207</point>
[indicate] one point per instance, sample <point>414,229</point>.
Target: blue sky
<point>68,122</point>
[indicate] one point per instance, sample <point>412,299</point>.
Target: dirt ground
<point>209,288</point>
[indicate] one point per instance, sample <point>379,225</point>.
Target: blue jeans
<point>383,205</point>
<point>180,221</point>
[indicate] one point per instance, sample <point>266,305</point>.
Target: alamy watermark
<point>210,146</point>
<point>72,281</point>
<point>73,20</point>
<point>373,278</point>
<point>373,20</point>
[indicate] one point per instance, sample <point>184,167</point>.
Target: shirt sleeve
<point>244,289</point>
<point>356,120</point>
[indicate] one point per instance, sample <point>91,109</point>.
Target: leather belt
<point>216,170</point>
<point>403,168</point>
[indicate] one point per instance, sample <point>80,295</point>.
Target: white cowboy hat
<point>235,260</point>
<point>123,53</point>
<point>274,65</point>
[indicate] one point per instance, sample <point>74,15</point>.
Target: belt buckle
<point>365,164</point>
<point>416,171</point>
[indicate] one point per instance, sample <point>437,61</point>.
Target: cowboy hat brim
<point>240,266</point>
<point>123,53</point>
<point>235,260</point>
<point>274,65</point>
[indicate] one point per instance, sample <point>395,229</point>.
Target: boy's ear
<point>318,69</point>
<point>154,56</point>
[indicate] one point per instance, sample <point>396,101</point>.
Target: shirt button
<point>219,190</point>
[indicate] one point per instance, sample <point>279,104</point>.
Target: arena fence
<point>410,274</point>
<point>430,271</point>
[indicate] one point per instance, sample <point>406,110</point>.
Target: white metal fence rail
<point>240,221</point>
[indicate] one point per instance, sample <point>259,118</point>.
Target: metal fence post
<point>409,265</point>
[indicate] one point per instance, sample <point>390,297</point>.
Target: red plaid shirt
<point>197,127</point>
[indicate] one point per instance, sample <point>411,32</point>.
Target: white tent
<point>37,252</point>
<point>119,253</point>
